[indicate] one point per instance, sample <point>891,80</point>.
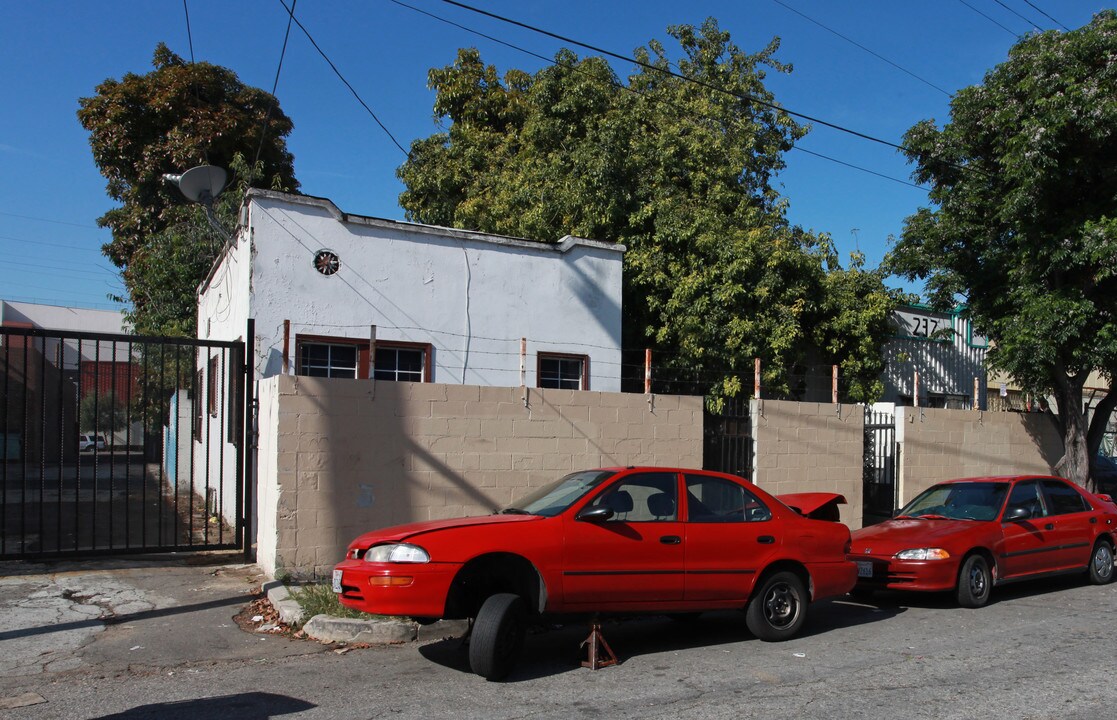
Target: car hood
<point>895,535</point>
<point>399,533</point>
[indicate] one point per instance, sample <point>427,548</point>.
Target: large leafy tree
<point>1023,227</point>
<point>175,117</point>
<point>680,171</point>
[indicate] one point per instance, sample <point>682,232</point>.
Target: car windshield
<point>958,501</point>
<point>550,500</point>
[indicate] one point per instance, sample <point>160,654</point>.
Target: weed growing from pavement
<point>322,600</point>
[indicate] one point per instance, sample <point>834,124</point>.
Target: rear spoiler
<point>814,505</point>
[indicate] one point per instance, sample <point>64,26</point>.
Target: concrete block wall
<point>810,447</point>
<point>938,445</point>
<point>353,455</point>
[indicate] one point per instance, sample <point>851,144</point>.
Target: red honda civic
<point>612,540</point>
<point>970,534</point>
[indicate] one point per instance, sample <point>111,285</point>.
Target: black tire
<point>975,582</point>
<point>1101,563</point>
<point>498,636</point>
<point>778,609</point>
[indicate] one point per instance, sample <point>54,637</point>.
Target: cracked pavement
<point>137,639</point>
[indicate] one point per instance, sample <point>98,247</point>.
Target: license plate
<point>337,581</point>
<point>864,569</point>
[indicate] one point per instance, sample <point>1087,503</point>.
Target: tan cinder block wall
<point>353,456</point>
<point>811,447</point>
<point>938,445</point>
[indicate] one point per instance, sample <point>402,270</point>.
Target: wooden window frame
<point>364,367</point>
<point>541,356</point>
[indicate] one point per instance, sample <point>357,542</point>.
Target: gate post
<point>248,445</point>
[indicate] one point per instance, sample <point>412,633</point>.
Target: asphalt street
<point>155,638</point>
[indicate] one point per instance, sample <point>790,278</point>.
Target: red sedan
<point>968,535</point>
<point>613,540</point>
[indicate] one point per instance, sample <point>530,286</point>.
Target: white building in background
<point>448,306</point>
<point>937,357</point>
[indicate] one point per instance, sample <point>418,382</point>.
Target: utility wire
<point>1002,27</point>
<point>275,85</point>
<point>48,220</point>
<point>632,90</point>
<point>1041,12</point>
<point>189,36</point>
<point>680,76</point>
<point>341,77</point>
<point>1013,11</point>
<point>859,45</point>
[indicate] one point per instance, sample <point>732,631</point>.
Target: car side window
<point>1025,495</point>
<point>1063,499</point>
<point>712,499</point>
<point>643,497</point>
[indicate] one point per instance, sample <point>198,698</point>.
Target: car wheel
<point>498,636</point>
<point>779,607</point>
<point>975,581</point>
<point>1101,563</point>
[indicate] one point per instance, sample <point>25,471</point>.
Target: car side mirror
<point>1017,513</point>
<point>595,513</point>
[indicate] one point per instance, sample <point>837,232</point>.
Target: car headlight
<point>397,553</point>
<point>923,554</point>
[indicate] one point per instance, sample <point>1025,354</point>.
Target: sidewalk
<point>135,615</point>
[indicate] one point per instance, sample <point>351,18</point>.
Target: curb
<point>386,631</point>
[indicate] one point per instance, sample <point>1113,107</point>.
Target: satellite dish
<point>201,184</point>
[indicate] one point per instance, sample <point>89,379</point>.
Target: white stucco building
<point>448,306</point>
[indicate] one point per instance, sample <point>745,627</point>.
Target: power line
<point>275,85</point>
<point>859,45</point>
<point>291,13</point>
<point>648,66</point>
<point>50,244</point>
<point>189,35</point>
<point>1002,27</point>
<point>1041,12</point>
<point>1013,11</point>
<point>48,220</point>
<point>632,90</point>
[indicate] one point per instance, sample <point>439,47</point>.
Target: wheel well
<point>487,575</point>
<point>791,566</point>
<point>989,559</point>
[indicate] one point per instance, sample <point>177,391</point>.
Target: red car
<point>968,535</point>
<point>612,540</point>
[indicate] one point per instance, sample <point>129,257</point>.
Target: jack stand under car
<point>598,654</point>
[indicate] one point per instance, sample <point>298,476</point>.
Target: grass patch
<point>322,600</point>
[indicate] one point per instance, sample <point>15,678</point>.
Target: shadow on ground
<point>244,706</point>
<point>558,650</point>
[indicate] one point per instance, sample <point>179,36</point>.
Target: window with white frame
<point>401,362</point>
<point>328,359</point>
<point>341,357</point>
<point>563,371</point>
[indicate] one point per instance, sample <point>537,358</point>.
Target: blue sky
<point>52,53</point>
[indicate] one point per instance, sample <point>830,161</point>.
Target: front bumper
<point>888,573</point>
<point>408,589</point>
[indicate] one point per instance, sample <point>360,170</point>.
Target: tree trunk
<point>1075,465</point>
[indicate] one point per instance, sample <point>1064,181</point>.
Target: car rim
<point>781,607</point>
<point>1103,561</point>
<point>977,581</point>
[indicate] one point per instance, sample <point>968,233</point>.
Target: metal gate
<point>880,463</point>
<point>727,445</point>
<point>114,444</point>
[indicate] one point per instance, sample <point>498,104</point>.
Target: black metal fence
<point>880,464</point>
<point>727,445</point>
<point>119,444</point>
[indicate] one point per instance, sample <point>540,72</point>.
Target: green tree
<point>1024,224</point>
<point>678,172</point>
<point>102,413</point>
<point>173,118</point>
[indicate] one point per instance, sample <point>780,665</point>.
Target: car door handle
<point>1093,521</point>
<point>766,540</point>
<point>670,539</point>
<point>1049,526</point>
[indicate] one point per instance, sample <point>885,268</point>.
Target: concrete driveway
<point>148,638</point>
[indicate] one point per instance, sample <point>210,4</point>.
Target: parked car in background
<point>88,442</point>
<point>610,540</point>
<point>968,535</point>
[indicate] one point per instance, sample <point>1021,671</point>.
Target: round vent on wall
<point>326,262</point>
